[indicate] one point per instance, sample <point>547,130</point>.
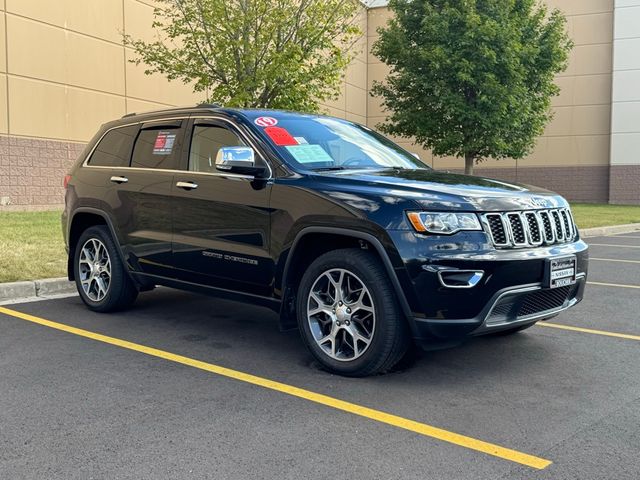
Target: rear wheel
<point>348,315</point>
<point>102,281</point>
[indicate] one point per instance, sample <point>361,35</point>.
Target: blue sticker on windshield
<point>309,153</point>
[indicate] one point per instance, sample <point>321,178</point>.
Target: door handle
<point>116,179</point>
<point>187,185</point>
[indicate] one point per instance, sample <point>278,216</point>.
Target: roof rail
<point>200,105</point>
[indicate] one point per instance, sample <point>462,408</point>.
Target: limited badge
<point>265,121</point>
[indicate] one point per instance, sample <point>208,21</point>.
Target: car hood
<point>431,189</point>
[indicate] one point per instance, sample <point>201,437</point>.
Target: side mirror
<point>238,160</point>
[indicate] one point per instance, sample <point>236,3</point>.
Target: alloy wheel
<point>341,314</point>
<point>95,269</point>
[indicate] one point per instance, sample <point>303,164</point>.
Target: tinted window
<point>114,150</point>
<point>157,148</point>
<point>206,142</point>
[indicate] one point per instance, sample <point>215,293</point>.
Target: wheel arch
<point>314,240</point>
<point>83,218</point>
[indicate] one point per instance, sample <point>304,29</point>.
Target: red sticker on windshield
<point>266,121</point>
<point>280,136</point>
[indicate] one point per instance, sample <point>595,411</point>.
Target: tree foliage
<point>288,54</point>
<point>471,78</point>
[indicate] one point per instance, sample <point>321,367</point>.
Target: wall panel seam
<point>53,25</point>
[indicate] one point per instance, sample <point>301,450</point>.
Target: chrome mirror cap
<point>229,158</point>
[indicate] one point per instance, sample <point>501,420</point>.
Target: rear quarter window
<point>114,150</point>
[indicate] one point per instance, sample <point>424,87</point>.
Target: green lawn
<point>31,245</point>
<point>588,215</point>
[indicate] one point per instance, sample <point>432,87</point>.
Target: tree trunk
<point>469,159</point>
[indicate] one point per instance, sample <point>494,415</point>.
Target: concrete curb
<point>36,288</point>
<point>612,230</point>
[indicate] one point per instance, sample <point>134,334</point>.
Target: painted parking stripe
<point>589,330</point>
<point>362,411</point>
<point>614,260</point>
<point>618,285</point>
<point>610,245</point>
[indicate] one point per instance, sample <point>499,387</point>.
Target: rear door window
<point>114,150</point>
<point>157,147</point>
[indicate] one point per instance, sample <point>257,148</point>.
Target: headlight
<point>443,222</point>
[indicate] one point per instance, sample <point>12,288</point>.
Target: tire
<point>361,332</point>
<point>102,281</point>
<point>511,331</point>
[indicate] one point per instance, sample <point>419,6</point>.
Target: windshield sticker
<point>280,136</point>
<point>164,143</point>
<point>266,121</point>
<point>309,153</point>
<point>301,140</point>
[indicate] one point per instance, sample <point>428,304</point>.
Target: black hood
<point>443,190</point>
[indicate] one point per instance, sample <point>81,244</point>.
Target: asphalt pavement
<point>185,386</point>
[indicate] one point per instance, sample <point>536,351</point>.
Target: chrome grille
<point>530,228</point>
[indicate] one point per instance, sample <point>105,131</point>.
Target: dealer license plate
<point>560,271</point>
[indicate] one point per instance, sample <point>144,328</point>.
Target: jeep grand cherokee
<point>348,236</point>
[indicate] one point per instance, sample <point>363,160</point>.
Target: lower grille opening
<point>517,306</point>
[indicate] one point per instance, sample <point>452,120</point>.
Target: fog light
<point>460,278</point>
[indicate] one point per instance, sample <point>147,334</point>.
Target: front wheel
<point>102,281</point>
<point>348,315</point>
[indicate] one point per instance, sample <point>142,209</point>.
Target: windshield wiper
<point>328,169</point>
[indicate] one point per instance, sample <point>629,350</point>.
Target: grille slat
<point>517,229</point>
<point>530,228</point>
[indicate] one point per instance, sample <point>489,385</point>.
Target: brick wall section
<point>578,184</point>
<point>625,184</point>
<point>32,171</point>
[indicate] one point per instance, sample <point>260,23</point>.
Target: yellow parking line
<point>589,330</point>
<point>370,413</point>
<point>623,236</point>
<point>610,245</point>
<point>619,285</point>
<point>614,260</point>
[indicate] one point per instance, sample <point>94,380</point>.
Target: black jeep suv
<point>345,234</point>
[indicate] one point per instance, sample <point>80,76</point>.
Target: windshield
<point>326,143</point>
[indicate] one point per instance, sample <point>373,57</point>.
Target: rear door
<point>221,220</point>
<point>142,201</point>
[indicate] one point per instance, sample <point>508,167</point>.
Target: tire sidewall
<point>385,312</point>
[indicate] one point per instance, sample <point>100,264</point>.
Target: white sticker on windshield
<point>301,140</point>
<point>309,153</point>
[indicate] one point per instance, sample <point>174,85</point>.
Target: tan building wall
<point>64,71</point>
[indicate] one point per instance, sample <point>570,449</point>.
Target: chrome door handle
<point>187,185</point>
<point>116,179</point>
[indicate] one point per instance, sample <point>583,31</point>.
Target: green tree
<point>288,54</point>
<point>471,78</point>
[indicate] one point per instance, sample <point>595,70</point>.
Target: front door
<point>220,220</point>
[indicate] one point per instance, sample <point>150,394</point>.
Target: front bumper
<point>508,309</point>
<point>510,293</point>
